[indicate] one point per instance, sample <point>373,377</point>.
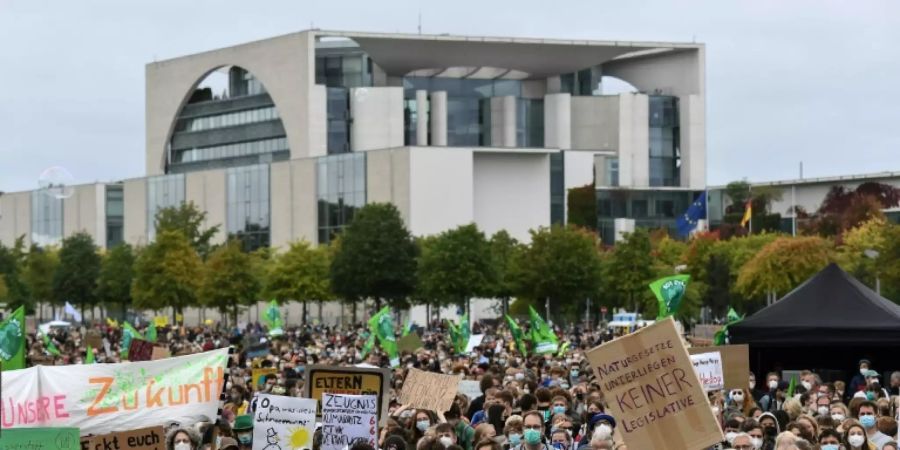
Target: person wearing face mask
<point>742,441</point>
<point>858,382</point>
<point>513,430</point>
<point>867,419</point>
<point>838,413</point>
<point>756,393</point>
<point>423,420</point>
<point>756,433</point>
<point>182,438</point>
<point>600,426</point>
<point>830,440</point>
<point>532,432</point>
<point>445,434</point>
<point>243,429</point>
<point>561,439</point>
<point>855,438</point>
<point>770,401</point>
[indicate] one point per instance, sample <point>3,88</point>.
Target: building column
<point>438,118</point>
<point>558,121</point>
<point>509,121</point>
<point>422,117</point>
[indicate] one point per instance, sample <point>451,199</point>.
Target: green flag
<point>12,340</point>
<point>464,334</point>
<point>542,337</point>
<point>407,328</point>
<point>128,333</point>
<point>151,332</point>
<point>453,330</point>
<point>367,347</point>
<point>516,333</point>
<point>382,326</point>
<point>792,386</point>
<point>273,319</point>
<point>563,349</point>
<point>721,336</point>
<point>49,346</point>
<point>89,357</point>
<point>669,291</point>
<point>733,315</point>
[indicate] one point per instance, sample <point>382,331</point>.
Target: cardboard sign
<point>708,367</point>
<point>256,374</point>
<point>93,339</point>
<point>470,388</point>
<point>39,439</point>
<point>281,422</point>
<point>349,380</point>
<point>735,363</point>
<point>152,438</point>
<point>258,350</point>
<point>140,350</point>
<point>427,390</point>
<point>159,352</point>
<point>474,341</point>
<point>347,419</point>
<point>410,343</point>
<point>652,391</point>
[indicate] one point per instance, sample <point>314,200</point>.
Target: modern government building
<point>283,139</point>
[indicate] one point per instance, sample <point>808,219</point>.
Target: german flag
<point>748,212</point>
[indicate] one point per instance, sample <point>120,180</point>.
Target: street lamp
<point>873,255</point>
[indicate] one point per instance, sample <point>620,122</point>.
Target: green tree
<point>75,279</point>
<point>782,265</point>
<point>167,273</point>
<point>503,250</point>
<point>189,220</point>
<point>116,276</point>
<point>864,238</point>
<point>229,280</point>
<point>376,258</point>
<point>300,274</point>
<point>457,266</point>
<point>888,261</point>
<point>582,206</point>
<point>629,271</point>
<point>560,266</point>
<point>4,291</point>
<point>40,268</point>
<point>12,260</point>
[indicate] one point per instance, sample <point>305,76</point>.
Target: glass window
<point>46,218</point>
<point>341,190</point>
<point>664,141</point>
<point>612,171</point>
<point>247,203</point>
<point>557,188</point>
<point>115,214</point>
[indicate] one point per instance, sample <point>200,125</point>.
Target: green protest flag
<point>563,349</point>
<point>382,326</point>
<point>454,334</point>
<point>367,347</point>
<point>273,319</point>
<point>12,340</point>
<point>792,386</point>
<point>516,333</point>
<point>720,337</point>
<point>128,333</point>
<point>407,328</point>
<point>151,332</point>
<point>89,359</point>
<point>669,291</point>
<point>50,347</point>
<point>464,334</point>
<point>542,336</point>
<point>733,315</point>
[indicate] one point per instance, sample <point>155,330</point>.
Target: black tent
<point>829,323</point>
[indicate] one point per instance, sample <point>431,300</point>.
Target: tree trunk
<point>354,315</point>
<point>378,304</point>
<point>320,312</point>
<point>427,315</point>
<point>234,314</point>
<point>304,313</point>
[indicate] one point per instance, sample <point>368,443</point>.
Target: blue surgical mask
<point>532,437</point>
<point>245,438</point>
<point>559,410</point>
<point>867,421</point>
<point>423,425</point>
<point>514,439</point>
<point>573,373</point>
<point>830,447</point>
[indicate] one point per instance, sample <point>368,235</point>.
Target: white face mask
<point>863,371</point>
<point>773,384</point>
<point>806,385</point>
<point>837,418</point>
<point>182,446</point>
<point>604,430</point>
<point>756,442</point>
<point>823,410</point>
<point>856,440</point>
<point>446,441</point>
<point>729,436</point>
<point>715,410</point>
<point>738,397</point>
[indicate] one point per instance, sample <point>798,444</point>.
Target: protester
<point>855,438</point>
<point>182,438</point>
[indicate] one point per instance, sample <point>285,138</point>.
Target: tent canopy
<point>832,309</point>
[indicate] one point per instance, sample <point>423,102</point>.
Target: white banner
<point>347,419</point>
<point>283,423</point>
<point>708,367</point>
<point>103,398</point>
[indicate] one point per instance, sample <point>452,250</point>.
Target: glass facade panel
<point>163,191</point>
<point>344,70</point>
<point>529,123</point>
<point>665,153</point>
<point>234,150</point>
<point>557,189</point>
<point>46,218</point>
<point>341,191</point>
<point>115,215</point>
<point>247,205</point>
<point>410,122</point>
<point>612,171</point>
<point>649,209</point>
<point>338,109</point>
<point>229,119</point>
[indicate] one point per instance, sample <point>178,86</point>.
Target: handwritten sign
<point>470,388</point>
<point>735,363</point>
<point>256,374</point>
<point>93,339</point>
<point>427,390</point>
<point>39,439</point>
<point>708,367</point>
<point>349,380</point>
<point>160,352</point>
<point>283,423</point>
<point>152,438</point>
<point>474,341</point>
<point>347,419</point>
<point>652,391</point>
<point>410,343</point>
<point>140,350</point>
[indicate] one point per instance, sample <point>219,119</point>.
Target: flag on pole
<point>792,387</point>
<point>688,221</point>
<point>151,332</point>
<point>382,326</point>
<point>89,358</point>
<point>748,213</point>
<point>465,332</point>
<point>542,337</point>
<point>669,292</point>
<point>49,346</point>
<point>12,340</point>
<point>273,319</point>
<point>367,347</point>
<point>517,336</point>
<point>128,333</point>
<point>721,336</point>
<point>408,327</point>
<point>70,310</point>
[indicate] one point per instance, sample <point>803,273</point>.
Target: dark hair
<point>487,443</point>
<point>749,425</point>
<point>443,428</point>
<point>543,395</point>
<point>361,445</point>
<point>453,412</point>
<point>537,414</point>
<point>887,425</point>
<point>527,402</point>
<point>830,432</point>
<point>867,403</point>
<point>394,442</point>
<point>487,382</point>
<point>504,396</point>
<point>495,417</point>
<point>733,423</point>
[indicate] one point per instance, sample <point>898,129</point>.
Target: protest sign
<point>161,321</point>
<point>101,398</point>
<point>735,363</point>
<point>349,380</point>
<point>93,339</point>
<point>257,350</point>
<point>152,438</point>
<point>39,438</point>
<point>410,343</point>
<point>347,419</point>
<point>474,341</point>
<point>160,352</point>
<point>256,374</point>
<point>140,350</point>
<point>427,390</point>
<point>283,423</point>
<point>708,367</point>
<point>470,388</point>
<point>652,391</point>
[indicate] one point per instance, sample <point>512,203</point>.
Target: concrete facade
<point>15,217</point>
<point>135,228</point>
<point>85,211</point>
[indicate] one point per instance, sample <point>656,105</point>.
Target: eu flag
<point>688,221</point>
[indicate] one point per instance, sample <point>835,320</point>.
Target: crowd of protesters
<point>526,403</point>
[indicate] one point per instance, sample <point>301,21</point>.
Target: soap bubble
<point>57,182</point>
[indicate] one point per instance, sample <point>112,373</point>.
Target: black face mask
<point>770,431</point>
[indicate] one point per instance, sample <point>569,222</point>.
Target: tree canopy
<point>116,276</point>
<point>167,273</point>
<point>75,280</point>
<point>456,266</point>
<point>229,279</point>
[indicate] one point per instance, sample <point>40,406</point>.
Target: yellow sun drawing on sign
<point>299,438</point>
